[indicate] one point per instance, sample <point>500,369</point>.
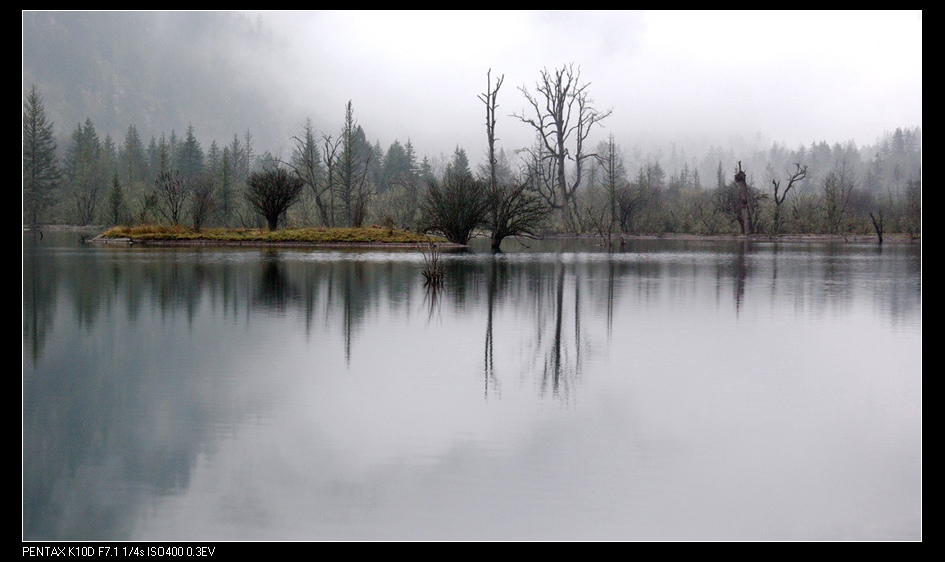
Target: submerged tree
<point>512,208</point>
<point>271,192</point>
<point>455,208</point>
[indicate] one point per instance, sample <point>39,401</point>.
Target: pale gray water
<point>670,391</point>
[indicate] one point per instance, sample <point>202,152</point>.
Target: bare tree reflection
<point>559,363</point>
<point>741,272</point>
<point>489,380</point>
<point>274,291</point>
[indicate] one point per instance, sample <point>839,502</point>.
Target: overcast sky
<point>684,76</point>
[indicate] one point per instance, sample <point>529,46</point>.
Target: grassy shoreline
<point>392,237</point>
<point>175,235</point>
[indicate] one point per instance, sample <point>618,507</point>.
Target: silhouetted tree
<point>744,211</point>
<point>799,174</point>
<point>455,207</point>
<point>514,209</point>
<point>271,192</point>
<point>879,224</point>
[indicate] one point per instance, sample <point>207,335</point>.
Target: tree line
<point>562,183</point>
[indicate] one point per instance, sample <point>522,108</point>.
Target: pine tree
<point>190,156</point>
<point>353,169</point>
<point>85,171</point>
<point>459,165</point>
<point>134,160</point>
<point>115,202</point>
<point>40,169</point>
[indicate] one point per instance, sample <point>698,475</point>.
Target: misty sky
<point>683,76</point>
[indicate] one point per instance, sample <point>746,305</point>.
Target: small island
<point>156,235</point>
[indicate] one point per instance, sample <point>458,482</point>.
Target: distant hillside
<point>159,71</point>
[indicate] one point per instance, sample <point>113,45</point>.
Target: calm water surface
<point>669,391</point>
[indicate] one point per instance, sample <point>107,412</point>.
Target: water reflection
<point>175,282</point>
<point>140,366</point>
<point>276,291</point>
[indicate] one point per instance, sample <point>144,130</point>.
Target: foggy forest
<point>127,123</point>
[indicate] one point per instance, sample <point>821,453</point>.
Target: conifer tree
<point>40,169</point>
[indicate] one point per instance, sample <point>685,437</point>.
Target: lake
<point>671,390</point>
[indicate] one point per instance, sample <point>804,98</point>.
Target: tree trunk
<point>744,201</point>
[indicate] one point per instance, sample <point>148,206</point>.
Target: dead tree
<point>563,119</point>
<point>744,201</point>
<point>513,209</point>
<point>799,174</point>
<point>489,99</point>
<point>879,224</point>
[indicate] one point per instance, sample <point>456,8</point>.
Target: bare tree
<point>515,210</point>
<point>879,224</point>
<point>271,192</point>
<point>489,99</point>
<point>307,164</point>
<point>330,152</point>
<point>912,208</point>
<point>798,175</point>
<point>836,200</point>
<point>512,209</point>
<point>171,195</point>
<point>838,191</point>
<point>563,118</point>
<point>595,215</point>
<point>202,201</point>
<point>455,208</point>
